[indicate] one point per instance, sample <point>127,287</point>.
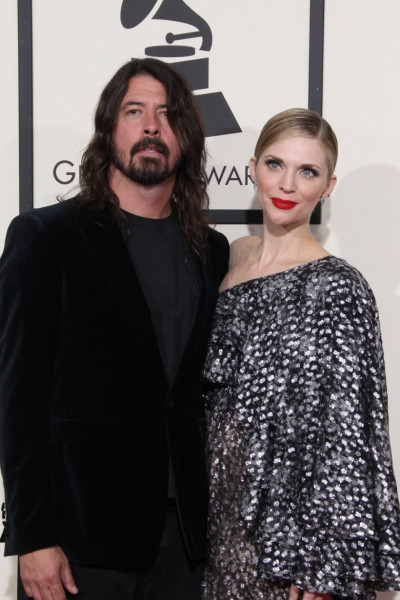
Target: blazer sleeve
<point>30,289</point>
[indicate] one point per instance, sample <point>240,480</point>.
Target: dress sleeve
<point>329,520</point>
<point>29,328</point>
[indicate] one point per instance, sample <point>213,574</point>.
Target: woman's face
<point>292,174</point>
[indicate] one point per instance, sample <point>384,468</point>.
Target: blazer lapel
<point>205,310</point>
<point>105,242</point>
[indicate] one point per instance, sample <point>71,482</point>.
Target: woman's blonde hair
<point>299,122</point>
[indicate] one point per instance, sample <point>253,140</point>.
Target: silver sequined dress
<point>302,488</point>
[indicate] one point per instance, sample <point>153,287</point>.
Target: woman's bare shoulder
<point>241,247</point>
<point>242,251</point>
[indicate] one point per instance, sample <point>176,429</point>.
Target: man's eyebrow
<point>137,103</point>
<point>132,103</point>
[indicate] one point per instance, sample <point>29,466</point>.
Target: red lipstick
<point>283,204</point>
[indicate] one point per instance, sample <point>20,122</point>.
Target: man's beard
<point>149,171</point>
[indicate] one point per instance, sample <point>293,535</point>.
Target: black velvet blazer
<point>85,409</point>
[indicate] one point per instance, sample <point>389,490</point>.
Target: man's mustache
<point>150,142</point>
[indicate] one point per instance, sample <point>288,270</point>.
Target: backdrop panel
<point>246,61</point>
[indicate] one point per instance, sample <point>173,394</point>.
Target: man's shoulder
<point>64,216</point>
<point>49,217</point>
<point>216,238</point>
<point>219,253</point>
<point>53,212</point>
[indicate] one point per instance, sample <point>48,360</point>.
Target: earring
<point>255,186</point>
<point>321,200</point>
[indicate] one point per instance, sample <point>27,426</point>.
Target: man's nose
<point>151,125</point>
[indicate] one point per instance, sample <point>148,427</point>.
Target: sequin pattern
<point>302,488</point>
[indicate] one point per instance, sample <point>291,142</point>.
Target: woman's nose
<point>288,182</point>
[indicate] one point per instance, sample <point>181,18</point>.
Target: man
<point>106,302</point>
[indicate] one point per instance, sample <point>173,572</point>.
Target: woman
<point>303,498</point>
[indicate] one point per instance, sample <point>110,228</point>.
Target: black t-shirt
<point>167,274</point>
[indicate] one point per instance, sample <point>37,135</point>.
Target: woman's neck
<point>287,249</point>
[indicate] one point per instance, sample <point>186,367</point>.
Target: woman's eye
<point>273,164</point>
<point>309,172</point>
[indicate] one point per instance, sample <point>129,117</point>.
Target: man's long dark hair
<point>190,192</point>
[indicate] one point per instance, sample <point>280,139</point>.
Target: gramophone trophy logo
<point>217,116</point>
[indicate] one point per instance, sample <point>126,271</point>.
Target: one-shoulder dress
<point>302,488</point>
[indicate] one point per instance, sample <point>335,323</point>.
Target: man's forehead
<point>145,84</point>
